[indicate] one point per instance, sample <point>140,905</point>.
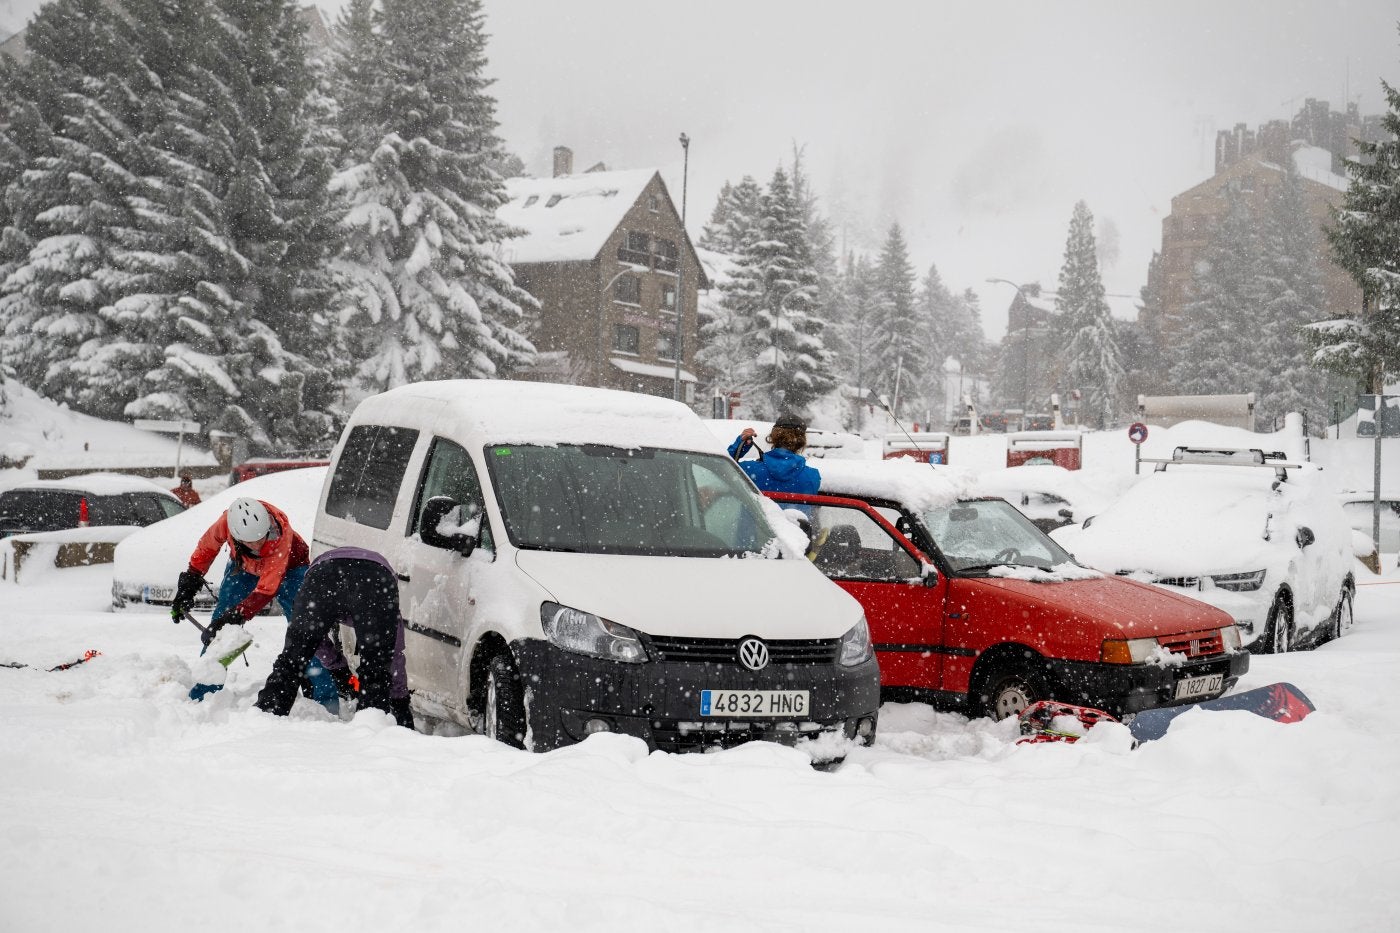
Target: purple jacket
<point>330,655</point>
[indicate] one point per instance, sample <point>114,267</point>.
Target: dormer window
<point>553,200</point>
<point>531,199</point>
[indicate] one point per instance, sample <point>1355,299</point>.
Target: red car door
<point>903,596</point>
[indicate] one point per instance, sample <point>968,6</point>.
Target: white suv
<point>1243,530</point>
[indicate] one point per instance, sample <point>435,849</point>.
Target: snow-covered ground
<point>123,806</point>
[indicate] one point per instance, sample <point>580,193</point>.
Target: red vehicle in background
<point>972,607</point>
<point>261,466</point>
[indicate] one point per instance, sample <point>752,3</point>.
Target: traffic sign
<point>1137,432</point>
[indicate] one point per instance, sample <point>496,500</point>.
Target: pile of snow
<point>919,486</point>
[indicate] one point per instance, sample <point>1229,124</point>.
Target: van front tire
<point>503,716</point>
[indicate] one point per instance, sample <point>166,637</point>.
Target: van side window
<point>847,544</point>
<point>449,472</point>
<point>369,474</point>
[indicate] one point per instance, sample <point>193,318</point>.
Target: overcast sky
<point>976,126</point>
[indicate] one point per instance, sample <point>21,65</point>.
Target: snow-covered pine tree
<point>775,292</point>
<point>937,313</point>
<point>895,342</point>
<point>1091,358</point>
<point>1365,239</point>
<point>855,326</point>
<point>1294,297</point>
<point>712,237</point>
<point>431,297</point>
<point>1214,349</point>
<point>734,225</point>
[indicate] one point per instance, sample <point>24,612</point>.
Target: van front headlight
<point>586,633</point>
<point>855,645</point>
<point>1239,582</point>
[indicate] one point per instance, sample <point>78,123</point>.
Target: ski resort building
<point>612,267</point>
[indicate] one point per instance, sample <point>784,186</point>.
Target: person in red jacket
<point>267,560</point>
<point>185,492</point>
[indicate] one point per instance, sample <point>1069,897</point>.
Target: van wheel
<point>1007,691</point>
<point>503,718</point>
<point>1278,631</point>
<point>1342,616</point>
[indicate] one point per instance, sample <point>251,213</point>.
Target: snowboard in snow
<point>1281,702</point>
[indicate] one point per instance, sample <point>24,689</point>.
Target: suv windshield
<point>607,500</point>
<point>985,533</point>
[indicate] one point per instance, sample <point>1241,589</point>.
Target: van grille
<point>1194,645</point>
<point>674,735</point>
<point>726,650</point>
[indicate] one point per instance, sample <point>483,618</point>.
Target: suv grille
<point>1194,645</point>
<point>726,650</point>
<point>674,735</point>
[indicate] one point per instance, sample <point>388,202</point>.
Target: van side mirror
<point>1305,536</point>
<point>434,511</point>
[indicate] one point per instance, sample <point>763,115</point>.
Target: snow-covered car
<point>1050,496</point>
<point>84,501</point>
<point>147,564</point>
<point>1243,530</point>
<point>1358,506</point>
<point>579,560</point>
<point>972,607</point>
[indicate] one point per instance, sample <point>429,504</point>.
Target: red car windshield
<point>986,533</point>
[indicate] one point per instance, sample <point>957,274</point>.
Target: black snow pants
<point>362,593</point>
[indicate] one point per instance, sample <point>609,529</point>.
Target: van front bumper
<point>1131,688</point>
<point>570,695</point>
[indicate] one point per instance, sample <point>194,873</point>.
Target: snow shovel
<point>227,646</point>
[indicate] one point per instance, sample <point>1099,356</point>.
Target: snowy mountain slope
<point>124,806</point>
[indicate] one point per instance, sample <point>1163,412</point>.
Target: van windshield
<point>978,535</point>
<point>608,500</point>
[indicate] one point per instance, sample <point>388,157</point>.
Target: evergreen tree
<point>429,296</point>
<point>1221,320</point>
<point>712,237</point>
<point>1365,240</point>
<point>734,224</point>
<point>856,329</point>
<point>1091,357</point>
<point>896,343</point>
<point>774,292</point>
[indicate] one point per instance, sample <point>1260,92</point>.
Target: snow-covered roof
<point>568,218</point>
<point>918,486</point>
<point>98,484</point>
<point>492,411</point>
<point>655,370</point>
<point>1315,164</point>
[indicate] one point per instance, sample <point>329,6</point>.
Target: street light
<point>1032,289</point>
<point>680,268</point>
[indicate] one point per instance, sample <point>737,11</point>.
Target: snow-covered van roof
<point>491,411</point>
<point>98,484</point>
<point>568,218</point>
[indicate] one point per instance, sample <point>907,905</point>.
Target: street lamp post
<point>680,267</point>
<point>1031,288</point>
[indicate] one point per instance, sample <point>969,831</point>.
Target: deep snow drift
<point>125,806</point>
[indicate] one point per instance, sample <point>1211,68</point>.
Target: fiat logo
<point>753,654</point>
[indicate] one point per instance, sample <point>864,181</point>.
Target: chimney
<point>563,161</point>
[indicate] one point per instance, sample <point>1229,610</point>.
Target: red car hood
<point>1137,610</point>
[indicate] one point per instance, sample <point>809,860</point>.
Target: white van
<point>580,560</point>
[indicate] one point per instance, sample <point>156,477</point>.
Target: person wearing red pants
<point>356,587</point>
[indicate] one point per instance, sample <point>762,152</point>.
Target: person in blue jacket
<point>782,468</point>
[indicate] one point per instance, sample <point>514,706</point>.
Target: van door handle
<point>402,576</point>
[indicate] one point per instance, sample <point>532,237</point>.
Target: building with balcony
<point>612,267</point>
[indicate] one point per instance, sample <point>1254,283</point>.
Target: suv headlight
<point>855,645</point>
<point>1128,651</point>
<point>585,633</point>
<point>1239,582</point>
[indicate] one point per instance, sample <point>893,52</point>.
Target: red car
<point>972,607</point>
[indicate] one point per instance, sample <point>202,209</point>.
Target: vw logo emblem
<point>753,654</point>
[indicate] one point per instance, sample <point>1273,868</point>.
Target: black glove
<point>346,684</point>
<point>227,617</point>
<point>185,590</point>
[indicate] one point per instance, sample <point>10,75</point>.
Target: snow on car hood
<point>155,555</point>
<point>1188,523</point>
<point>697,597</point>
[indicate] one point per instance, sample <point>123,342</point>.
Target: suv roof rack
<point>1228,456</point>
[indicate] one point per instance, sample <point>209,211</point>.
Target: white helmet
<point>248,520</point>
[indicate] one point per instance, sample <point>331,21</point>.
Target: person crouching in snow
<point>352,586</point>
<point>267,560</point>
<point>783,468</point>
